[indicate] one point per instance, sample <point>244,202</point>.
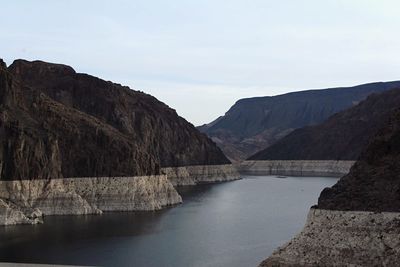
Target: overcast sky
<point>199,56</point>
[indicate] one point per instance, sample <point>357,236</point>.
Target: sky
<point>200,57</point>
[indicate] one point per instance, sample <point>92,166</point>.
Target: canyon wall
<point>343,136</point>
<point>192,175</point>
<point>296,167</point>
<point>57,125</point>
<point>356,221</point>
<point>24,201</point>
<point>342,238</point>
<point>253,124</point>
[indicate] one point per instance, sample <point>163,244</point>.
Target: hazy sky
<point>199,56</point>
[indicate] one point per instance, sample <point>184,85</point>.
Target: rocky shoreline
<point>192,175</point>
<point>335,168</point>
<point>342,238</point>
<point>26,201</point>
<point>89,195</point>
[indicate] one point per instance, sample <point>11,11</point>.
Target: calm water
<point>229,224</point>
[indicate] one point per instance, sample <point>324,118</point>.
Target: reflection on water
<point>237,223</point>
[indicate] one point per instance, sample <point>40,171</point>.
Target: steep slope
<point>74,144</point>
<point>373,183</point>
<point>356,222</point>
<point>341,137</point>
<point>255,123</point>
<point>153,126</point>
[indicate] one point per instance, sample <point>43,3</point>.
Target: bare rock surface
<point>192,175</point>
<point>88,195</point>
<point>71,143</point>
<point>253,124</point>
<point>356,221</point>
<point>332,168</point>
<point>342,238</point>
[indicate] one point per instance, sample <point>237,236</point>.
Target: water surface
<point>231,224</point>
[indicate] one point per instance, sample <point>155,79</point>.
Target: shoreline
<point>27,201</point>
<point>329,168</point>
<point>342,238</point>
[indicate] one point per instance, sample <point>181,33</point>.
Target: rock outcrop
<point>341,137</point>
<point>342,238</point>
<point>357,221</point>
<point>88,195</point>
<point>71,143</point>
<point>253,124</point>
<point>332,168</point>
<point>200,174</point>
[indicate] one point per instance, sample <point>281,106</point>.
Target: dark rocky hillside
<point>255,123</point>
<point>342,137</point>
<point>58,123</point>
<point>373,183</point>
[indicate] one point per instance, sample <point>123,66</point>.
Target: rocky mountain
<point>59,123</point>
<point>341,137</point>
<point>255,123</point>
<point>373,183</point>
<point>356,222</point>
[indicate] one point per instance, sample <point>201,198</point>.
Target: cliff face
<point>255,123</point>
<point>151,125</point>
<point>74,144</point>
<point>342,238</point>
<point>341,137</point>
<point>333,168</point>
<point>373,184</point>
<point>57,123</point>
<point>25,201</point>
<point>356,222</point>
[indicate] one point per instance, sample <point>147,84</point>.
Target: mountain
<point>59,123</point>
<point>341,137</point>
<point>373,183</point>
<point>253,124</point>
<point>356,221</point>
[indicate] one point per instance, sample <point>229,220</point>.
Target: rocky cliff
<point>200,174</point>
<point>341,137</point>
<point>356,222</point>
<point>25,201</point>
<point>152,126</point>
<point>255,123</point>
<point>57,125</point>
<point>334,168</point>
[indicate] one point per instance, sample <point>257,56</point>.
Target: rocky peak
<point>3,65</point>
<point>39,69</point>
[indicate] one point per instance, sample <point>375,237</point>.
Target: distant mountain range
<point>341,137</point>
<point>254,124</point>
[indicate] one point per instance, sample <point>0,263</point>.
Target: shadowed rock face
<point>356,222</point>
<point>342,137</point>
<point>58,123</point>
<point>373,183</point>
<point>255,123</point>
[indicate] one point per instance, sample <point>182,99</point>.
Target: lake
<point>237,223</point>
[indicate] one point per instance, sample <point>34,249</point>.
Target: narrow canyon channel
<point>235,223</point>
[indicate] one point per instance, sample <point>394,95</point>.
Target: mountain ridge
<point>58,123</point>
<point>341,137</point>
<point>252,124</point>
